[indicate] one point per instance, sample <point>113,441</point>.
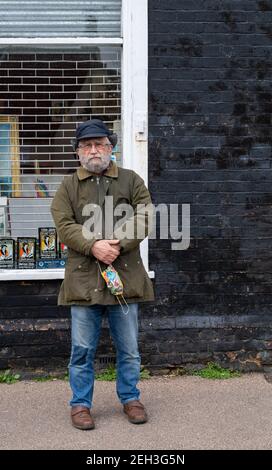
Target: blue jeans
<point>86,327</point>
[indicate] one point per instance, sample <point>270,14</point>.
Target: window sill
<point>38,274</point>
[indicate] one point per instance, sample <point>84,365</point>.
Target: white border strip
<point>134,85</point>
<point>25,274</point>
<point>135,93</point>
<point>36,274</point>
<point>55,41</point>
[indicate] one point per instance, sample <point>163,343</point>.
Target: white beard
<point>95,165</point>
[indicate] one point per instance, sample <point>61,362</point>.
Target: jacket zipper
<point>97,188</point>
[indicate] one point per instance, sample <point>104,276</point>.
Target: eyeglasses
<point>97,145</point>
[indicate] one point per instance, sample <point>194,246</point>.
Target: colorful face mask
<point>113,280</point>
<point>114,284</point>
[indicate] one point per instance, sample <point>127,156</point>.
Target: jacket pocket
<point>132,276</point>
<point>77,281</point>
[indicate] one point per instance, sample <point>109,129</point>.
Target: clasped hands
<point>106,250</point>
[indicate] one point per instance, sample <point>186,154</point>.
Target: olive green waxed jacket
<point>73,214</point>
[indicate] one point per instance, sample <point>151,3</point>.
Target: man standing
<point>83,288</point>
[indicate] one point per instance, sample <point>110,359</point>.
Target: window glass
<point>54,18</point>
<point>46,93</point>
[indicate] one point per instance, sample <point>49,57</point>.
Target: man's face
<point>95,154</point>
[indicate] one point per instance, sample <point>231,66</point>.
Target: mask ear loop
<point>117,296</point>
<point>121,305</point>
<point>99,267</point>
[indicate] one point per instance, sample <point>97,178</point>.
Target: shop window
<point>48,93</point>
<point>62,63</point>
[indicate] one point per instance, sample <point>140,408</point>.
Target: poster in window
<point>7,253</point>
<point>48,242</point>
<point>26,251</point>
<point>63,251</point>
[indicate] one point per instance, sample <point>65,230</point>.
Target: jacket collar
<point>111,171</point>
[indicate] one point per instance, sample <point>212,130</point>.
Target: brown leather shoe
<point>135,412</point>
<point>81,417</point>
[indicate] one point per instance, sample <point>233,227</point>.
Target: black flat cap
<point>93,128</point>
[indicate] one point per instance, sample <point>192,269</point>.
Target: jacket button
<point>126,265</point>
<point>79,267</point>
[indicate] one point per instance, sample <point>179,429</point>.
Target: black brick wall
<point>210,146</point>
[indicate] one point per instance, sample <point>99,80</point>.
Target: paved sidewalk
<point>185,413</point>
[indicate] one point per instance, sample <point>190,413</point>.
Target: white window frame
<point>134,32</point>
